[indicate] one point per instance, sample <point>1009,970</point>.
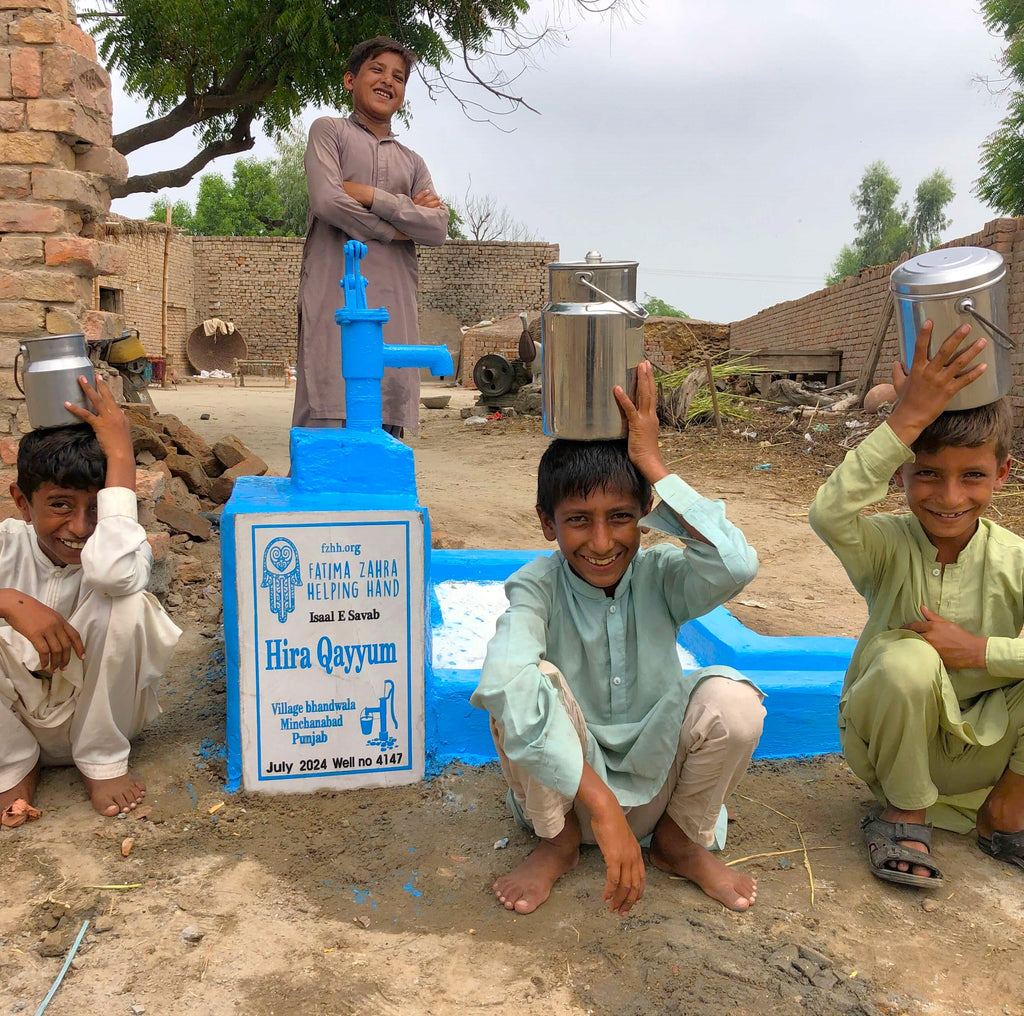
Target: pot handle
<point>586,277</point>
<point>21,349</point>
<point>966,306</point>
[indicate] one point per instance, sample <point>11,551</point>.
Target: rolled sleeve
<point>117,559</point>
<point>1004,657</point>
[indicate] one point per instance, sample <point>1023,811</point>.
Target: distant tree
<point>886,229</point>
<point>255,198</point>
<point>484,219</point>
<point>455,223</point>
<point>657,307</point>
<point>181,213</point>
<point>215,212</point>
<point>290,179</point>
<point>1001,183</point>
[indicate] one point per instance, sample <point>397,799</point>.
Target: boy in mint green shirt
<point>601,736</point>
<point>933,700</point>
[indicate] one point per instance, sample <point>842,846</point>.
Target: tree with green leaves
<point>247,206</point>
<point>886,229</point>
<point>657,307</point>
<point>1001,183</point>
<point>216,67</point>
<point>181,213</point>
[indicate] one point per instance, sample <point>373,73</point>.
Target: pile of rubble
<point>182,484</point>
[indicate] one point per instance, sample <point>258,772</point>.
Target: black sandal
<point>883,839</point>
<point>1004,846</point>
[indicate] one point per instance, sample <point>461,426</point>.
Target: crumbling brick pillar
<point>56,167</point>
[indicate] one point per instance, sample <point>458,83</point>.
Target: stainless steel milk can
<point>53,365</point>
<point>958,286</point>
<point>593,340</point>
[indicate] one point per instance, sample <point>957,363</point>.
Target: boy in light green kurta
<point>933,701</point>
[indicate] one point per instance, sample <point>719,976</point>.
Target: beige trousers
<point>898,737</point>
<point>87,714</point>
<point>720,730</point>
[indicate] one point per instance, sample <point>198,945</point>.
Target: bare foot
<point>673,851</point>
<point>115,796</point>
<point>24,789</point>
<point>894,814</point>
<point>526,887</point>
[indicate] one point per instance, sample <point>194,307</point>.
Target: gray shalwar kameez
<point>341,149</point>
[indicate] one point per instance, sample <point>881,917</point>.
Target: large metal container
<point>53,365</point>
<point>593,332</point>
<point>952,287</point>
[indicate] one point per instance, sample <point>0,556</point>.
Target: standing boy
<point>363,185</point>
<point>600,735</point>
<point>933,701</point>
<point>82,645</point>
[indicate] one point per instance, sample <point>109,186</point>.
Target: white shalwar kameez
<point>87,714</point>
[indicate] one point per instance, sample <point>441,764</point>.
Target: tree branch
<point>186,114</point>
<point>241,140</point>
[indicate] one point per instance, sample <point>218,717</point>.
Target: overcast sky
<point>715,144</point>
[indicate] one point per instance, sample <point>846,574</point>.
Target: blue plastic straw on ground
<point>63,970</point>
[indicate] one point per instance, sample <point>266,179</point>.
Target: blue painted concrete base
<point>802,677</point>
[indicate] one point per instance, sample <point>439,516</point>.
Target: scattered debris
<point>501,844</point>
<point>192,935</point>
<point>63,970</point>
<point>18,813</point>
<point>126,845</point>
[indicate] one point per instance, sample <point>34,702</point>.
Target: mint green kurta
<point>617,653</point>
<point>893,566</point>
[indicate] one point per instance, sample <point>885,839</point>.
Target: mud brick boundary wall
<point>844,316</point>
<point>253,282</point>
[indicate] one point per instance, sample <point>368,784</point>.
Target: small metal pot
<point>53,365</point>
<point>593,340</point>
<point>952,287</point>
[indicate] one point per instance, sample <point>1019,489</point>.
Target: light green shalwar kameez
<point>916,733</point>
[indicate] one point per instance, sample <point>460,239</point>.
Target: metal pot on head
<point>593,332</point>
<point>952,287</point>
<point>53,365</point>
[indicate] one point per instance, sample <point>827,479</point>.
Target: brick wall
<point>56,169</point>
<point>844,316</point>
<point>255,280</point>
<point>141,285</point>
<point>474,281</point>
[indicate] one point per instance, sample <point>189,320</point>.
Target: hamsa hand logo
<point>281,575</point>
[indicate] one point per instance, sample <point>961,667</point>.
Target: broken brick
<point>230,451</point>
<point>190,569</point>
<point>144,439</point>
<point>183,521</point>
<point>160,544</point>
<point>220,489</point>
<point>9,450</point>
<point>149,486</point>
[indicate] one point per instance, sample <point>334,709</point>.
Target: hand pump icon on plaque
<point>383,740</point>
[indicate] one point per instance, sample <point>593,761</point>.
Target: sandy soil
<point>379,901</point>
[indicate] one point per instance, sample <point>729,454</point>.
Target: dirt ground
<point>378,902</point>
